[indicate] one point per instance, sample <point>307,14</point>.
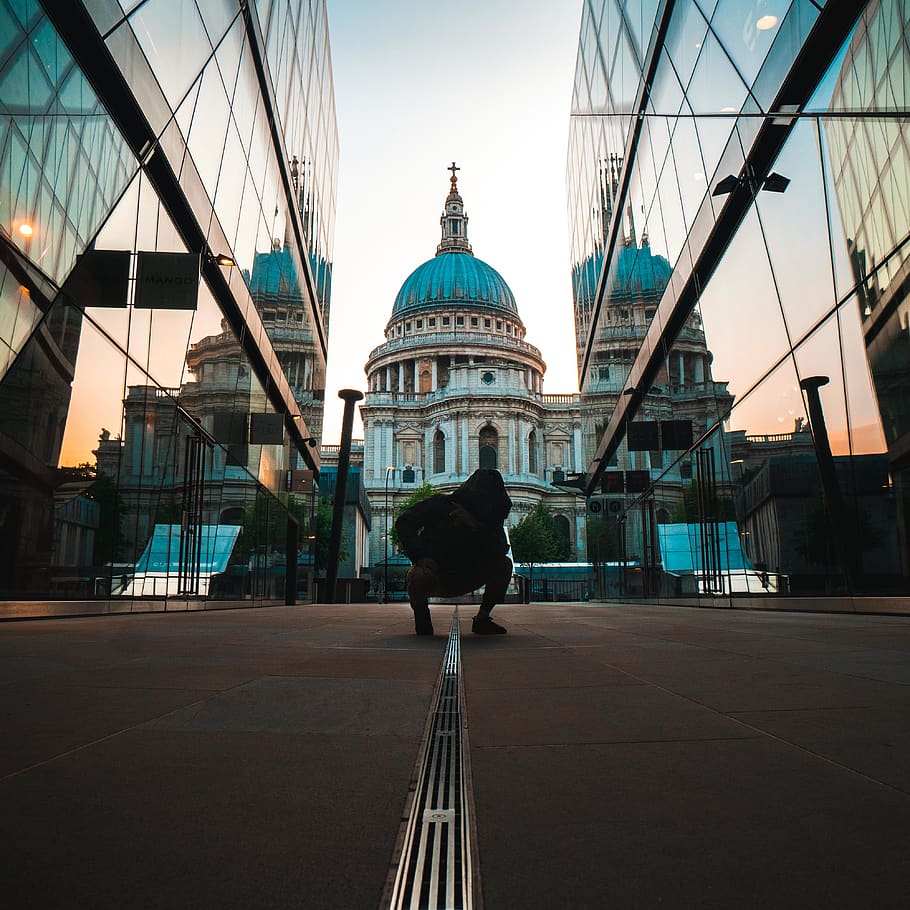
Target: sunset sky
<point>489,86</point>
<point>417,86</point>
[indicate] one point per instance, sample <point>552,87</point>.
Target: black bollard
<point>834,500</point>
<point>350,396</point>
<point>290,565</point>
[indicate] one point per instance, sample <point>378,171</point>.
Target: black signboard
<point>642,436</point>
<point>613,482</point>
<point>676,435</point>
<point>229,429</point>
<point>100,278</point>
<point>167,281</point>
<point>266,429</point>
<point>637,481</point>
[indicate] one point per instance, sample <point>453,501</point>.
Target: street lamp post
<point>389,472</point>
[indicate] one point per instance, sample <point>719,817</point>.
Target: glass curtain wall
<point>775,324</point>
<point>147,458</point>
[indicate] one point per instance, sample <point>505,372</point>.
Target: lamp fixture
<point>224,260</point>
<point>765,23</point>
<point>310,440</point>
<point>776,183</point>
<point>773,183</point>
<point>727,185</point>
<point>26,230</point>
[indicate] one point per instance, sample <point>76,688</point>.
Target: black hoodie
<point>428,529</point>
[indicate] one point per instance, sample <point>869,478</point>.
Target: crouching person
<point>457,544</point>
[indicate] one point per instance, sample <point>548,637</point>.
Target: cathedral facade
<point>455,387</point>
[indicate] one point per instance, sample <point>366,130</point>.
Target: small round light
<point>25,229</point>
<point>766,22</point>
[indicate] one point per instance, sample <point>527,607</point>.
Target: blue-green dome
<point>454,278</point>
<point>640,273</point>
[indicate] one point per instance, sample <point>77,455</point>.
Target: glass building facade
<point>167,202</point>
<point>739,202</point>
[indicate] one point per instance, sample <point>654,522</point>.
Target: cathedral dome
<point>640,273</point>
<point>454,278</point>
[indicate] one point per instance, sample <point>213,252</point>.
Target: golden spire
<point>454,179</point>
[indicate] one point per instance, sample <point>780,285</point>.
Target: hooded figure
<point>457,544</point>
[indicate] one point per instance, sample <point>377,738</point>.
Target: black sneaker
<point>423,625</point>
<point>483,625</point>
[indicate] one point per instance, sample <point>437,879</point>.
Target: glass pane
<point>747,29</point>
<point>209,128</point>
<point>857,498</point>
<point>685,38</point>
<point>785,527</point>
<point>175,43</point>
<point>716,87</point>
<point>797,220</point>
<point>867,436</point>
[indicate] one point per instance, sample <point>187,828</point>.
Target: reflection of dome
<point>639,273</point>
<point>275,275</point>
<point>458,278</point>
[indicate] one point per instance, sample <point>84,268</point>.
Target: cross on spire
<point>454,178</point>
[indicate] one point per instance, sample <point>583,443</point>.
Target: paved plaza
<point>621,756</point>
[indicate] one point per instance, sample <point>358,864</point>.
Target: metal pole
<point>349,396</point>
<point>834,501</point>
<point>290,565</point>
<point>388,523</point>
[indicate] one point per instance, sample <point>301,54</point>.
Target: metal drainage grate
<point>434,871</point>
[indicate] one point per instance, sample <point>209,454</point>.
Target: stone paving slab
<point>728,823</point>
<point>332,707</point>
<point>623,756</point>
<point>166,819</point>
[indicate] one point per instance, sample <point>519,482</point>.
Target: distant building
<point>761,152</point>
<point>204,170</point>
<point>455,386</point>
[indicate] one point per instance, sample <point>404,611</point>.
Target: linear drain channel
<point>434,872</point>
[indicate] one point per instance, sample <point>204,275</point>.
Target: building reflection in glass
<point>783,230</point>
<point>145,449</point>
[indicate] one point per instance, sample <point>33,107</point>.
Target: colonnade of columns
<point>690,369</point>
<point>462,447</point>
<point>404,377</point>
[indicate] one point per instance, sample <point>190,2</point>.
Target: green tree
<point>264,524</point>
<point>323,533</point>
<point>536,539</point>
<point>688,510</point>
<point>107,536</point>
<point>103,490</point>
<point>603,540</point>
<point>424,491</point>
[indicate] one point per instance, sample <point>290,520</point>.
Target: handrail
<point>458,338</point>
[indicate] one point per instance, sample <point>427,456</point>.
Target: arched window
<point>532,452</point>
<point>439,453</point>
<point>563,528</point>
<point>489,445</point>
<point>663,516</point>
<point>426,381</point>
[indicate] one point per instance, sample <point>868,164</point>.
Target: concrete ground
<point>622,756</point>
